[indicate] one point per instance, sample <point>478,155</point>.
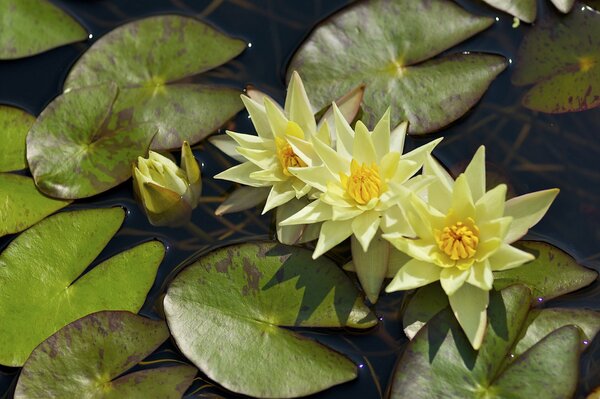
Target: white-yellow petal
<point>298,107</point>
<point>397,137</point>
<point>469,305</point>
<point>364,228</point>
<point>332,233</point>
<point>314,212</point>
<point>526,211</point>
<point>316,176</point>
<point>508,257</point>
<point>258,116</point>
<point>363,150</point>
<point>462,204</point>
<point>243,198</point>
<point>264,159</point>
<point>481,276</point>
<point>344,133</point>
<point>277,120</point>
<point>421,153</point>
<point>331,159</point>
<point>414,274</point>
<point>241,174</point>
<point>381,135</point>
<point>491,204</point>
<point>439,193</point>
<point>452,278</point>
<point>280,194</point>
<point>475,174</point>
<point>227,145</point>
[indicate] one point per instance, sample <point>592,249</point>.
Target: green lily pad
<point>22,204</point>
<point>14,125</point>
<point>425,303</point>
<point>43,288</point>
<point>225,313</point>
<point>526,10</point>
<point>33,26</point>
<point>98,349</point>
<point>553,272</point>
<point>387,46</point>
<point>80,157</point>
<point>440,362</point>
<point>145,57</point>
<point>561,58</point>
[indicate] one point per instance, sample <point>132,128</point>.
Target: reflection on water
<point>528,150</point>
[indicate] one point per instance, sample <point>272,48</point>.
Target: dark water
<point>528,150</point>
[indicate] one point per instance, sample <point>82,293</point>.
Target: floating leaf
<point>33,26</point>
<point>22,204</point>
<point>98,349</point>
<point>387,45</point>
<point>224,312</point>
<point>561,57</point>
<point>43,288</point>
<point>551,274</point>
<point>80,157</point>
<point>14,125</point>
<point>422,306</point>
<point>526,10</point>
<point>440,362</point>
<point>152,53</point>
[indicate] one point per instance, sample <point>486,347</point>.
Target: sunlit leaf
<point>561,58</point>
<point>98,349</point>
<point>388,46</point>
<point>29,27</point>
<point>14,125</point>
<point>22,204</point>
<point>526,10</point>
<point>154,53</point>
<point>224,312</point>
<point>440,362</point>
<point>43,288</point>
<point>77,157</point>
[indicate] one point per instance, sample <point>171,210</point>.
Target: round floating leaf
<point>422,306</point>
<point>14,125</point>
<point>224,312</point>
<point>33,26</point>
<point>22,204</point>
<point>562,58</point>
<point>386,45</point>
<point>144,57</point>
<point>98,349</point>
<point>440,362</point>
<point>43,288</point>
<point>551,274</point>
<point>74,153</point>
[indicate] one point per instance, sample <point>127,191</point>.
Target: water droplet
<point>510,60</point>
<point>497,18</point>
<point>512,356</point>
<point>90,36</point>
<point>360,366</point>
<point>586,342</point>
<point>540,299</point>
<point>249,44</point>
<point>380,318</point>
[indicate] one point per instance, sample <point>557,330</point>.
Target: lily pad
<point>225,312</point>
<point>22,204</point>
<point>14,125</point>
<point>439,361</point>
<point>561,58</point>
<point>43,288</point>
<point>33,26</point>
<point>145,57</point>
<point>526,10</point>
<point>551,274</point>
<point>80,157</point>
<point>98,349</point>
<point>388,46</point>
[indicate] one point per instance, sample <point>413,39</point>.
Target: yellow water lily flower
<point>360,185</point>
<point>463,234</point>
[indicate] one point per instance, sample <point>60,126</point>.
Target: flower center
<point>458,241</point>
<point>364,182</point>
<point>287,157</point>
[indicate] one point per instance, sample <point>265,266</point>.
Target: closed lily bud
<point>168,193</point>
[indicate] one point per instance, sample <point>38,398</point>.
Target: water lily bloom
<point>463,234</point>
<point>283,142</point>
<point>168,193</point>
<point>361,184</point>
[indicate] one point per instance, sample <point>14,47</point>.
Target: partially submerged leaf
<point>43,288</point>
<point>425,303</point>
<point>80,157</point>
<point>224,312</point>
<point>33,26</point>
<point>14,125</point>
<point>551,274</point>
<point>98,349</point>
<point>387,46</point>
<point>22,204</point>
<point>152,54</point>
<point>561,58</point>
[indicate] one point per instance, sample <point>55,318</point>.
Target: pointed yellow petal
<point>314,212</point>
<point>158,199</point>
<point>227,145</point>
<point>527,210</point>
<point>481,276</point>
<point>241,174</point>
<point>276,118</point>
<point>420,154</point>
<point>189,163</point>
<point>417,248</point>
<point>494,229</point>
<point>258,116</point>
<point>381,135</point>
<point>469,305</point>
<point>325,134</point>
<point>348,105</point>
<point>462,205</point>
<point>397,137</point>
<point>241,199</point>
<point>269,176</point>
<point>475,174</point>
<point>439,193</point>
<point>371,266</point>
<point>394,220</point>
<point>316,176</point>
<point>264,159</point>
<point>331,159</point>
<point>491,205</point>
<point>389,164</point>
<point>280,194</point>
<point>305,151</point>
<point>452,278</point>
<point>414,274</point>
<point>332,233</point>
<point>344,133</point>
<point>363,149</point>
<point>509,257</point>
<point>364,228</point>
<point>298,107</point>
<point>250,140</point>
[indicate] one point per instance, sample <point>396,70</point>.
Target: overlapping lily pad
<point>43,288</point>
<point>74,153</point>
<point>526,10</point>
<point>225,313</point>
<point>146,58</point>
<point>14,125</point>
<point>561,58</point>
<point>98,349</point>
<point>22,204</point>
<point>439,361</point>
<point>33,26</point>
<point>388,46</point>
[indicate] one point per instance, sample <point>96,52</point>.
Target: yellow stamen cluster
<point>458,241</point>
<point>364,182</point>
<point>287,157</point>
